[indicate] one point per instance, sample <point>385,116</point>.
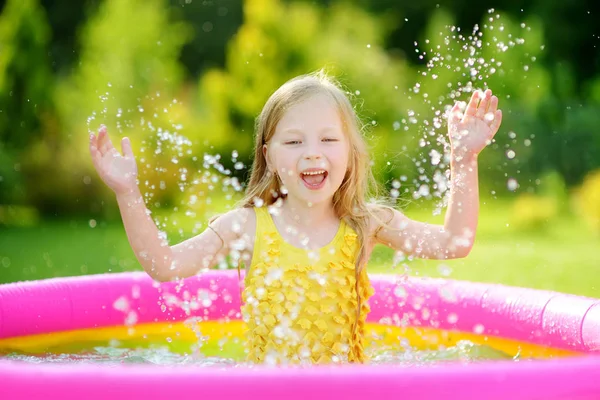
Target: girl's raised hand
<point>119,172</point>
<point>470,132</point>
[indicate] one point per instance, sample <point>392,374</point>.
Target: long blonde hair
<point>350,201</point>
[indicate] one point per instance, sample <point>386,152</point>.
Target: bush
<point>15,215</point>
<point>587,199</point>
<point>531,212</point>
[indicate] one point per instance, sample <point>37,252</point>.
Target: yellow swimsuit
<point>300,306</point>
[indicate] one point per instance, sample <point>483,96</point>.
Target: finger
<point>483,105</point>
<point>126,147</point>
<point>93,140</point>
<point>495,125</point>
<point>104,143</point>
<point>455,115</point>
<point>472,106</point>
<point>493,105</point>
<point>490,115</point>
<point>96,156</point>
<point>101,139</point>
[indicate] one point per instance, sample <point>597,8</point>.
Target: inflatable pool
<point>555,338</point>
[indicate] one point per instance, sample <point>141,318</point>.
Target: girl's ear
<point>265,155</point>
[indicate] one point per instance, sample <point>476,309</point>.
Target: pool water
<point>163,355</point>
<point>209,343</point>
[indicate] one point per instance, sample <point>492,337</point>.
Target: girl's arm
<point>455,238</point>
<point>161,261</point>
<point>469,134</point>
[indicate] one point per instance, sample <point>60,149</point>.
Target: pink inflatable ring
<point>556,336</point>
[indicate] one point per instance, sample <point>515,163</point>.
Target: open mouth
<point>314,179</point>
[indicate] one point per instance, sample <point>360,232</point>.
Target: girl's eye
<point>292,142</point>
<point>330,140</point>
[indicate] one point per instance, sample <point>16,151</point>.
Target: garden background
<point>185,79</point>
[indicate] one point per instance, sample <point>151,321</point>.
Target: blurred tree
<point>571,33</point>
<point>66,18</point>
<point>214,23</point>
<point>26,85</point>
<point>127,76</point>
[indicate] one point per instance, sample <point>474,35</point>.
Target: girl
<point>304,229</point>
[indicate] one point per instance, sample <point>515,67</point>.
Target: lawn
<point>561,256</point>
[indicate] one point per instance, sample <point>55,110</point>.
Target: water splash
<point>119,353</point>
<point>456,64</point>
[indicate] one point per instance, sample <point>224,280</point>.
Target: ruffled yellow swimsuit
<point>300,306</point>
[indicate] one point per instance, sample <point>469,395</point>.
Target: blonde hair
<point>350,200</point>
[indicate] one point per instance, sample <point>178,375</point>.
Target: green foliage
<point>129,49</point>
<point>588,200</point>
<point>214,22</point>
<point>14,215</point>
<point>25,78</point>
<point>129,63</point>
<point>26,84</point>
<point>594,91</point>
<point>127,77</point>
<point>501,54</point>
<point>531,212</point>
<point>552,185</point>
<point>279,41</point>
<point>564,138</point>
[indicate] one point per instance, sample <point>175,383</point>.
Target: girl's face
<point>309,150</point>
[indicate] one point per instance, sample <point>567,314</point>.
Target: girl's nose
<point>312,151</point>
<point>312,154</point>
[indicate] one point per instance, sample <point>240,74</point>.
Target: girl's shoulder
<point>379,216</point>
<point>237,223</point>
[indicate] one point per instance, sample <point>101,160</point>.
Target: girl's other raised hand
<point>119,172</point>
<point>474,128</point>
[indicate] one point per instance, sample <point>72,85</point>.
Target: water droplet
<point>131,318</point>
<point>435,157</point>
<point>258,202</point>
<point>478,329</point>
<point>121,304</point>
<point>444,269</point>
<point>399,291</point>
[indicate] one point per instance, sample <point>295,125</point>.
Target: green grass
<point>563,256</point>
<point>63,248</point>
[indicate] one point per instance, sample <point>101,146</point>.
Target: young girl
<point>304,229</point>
